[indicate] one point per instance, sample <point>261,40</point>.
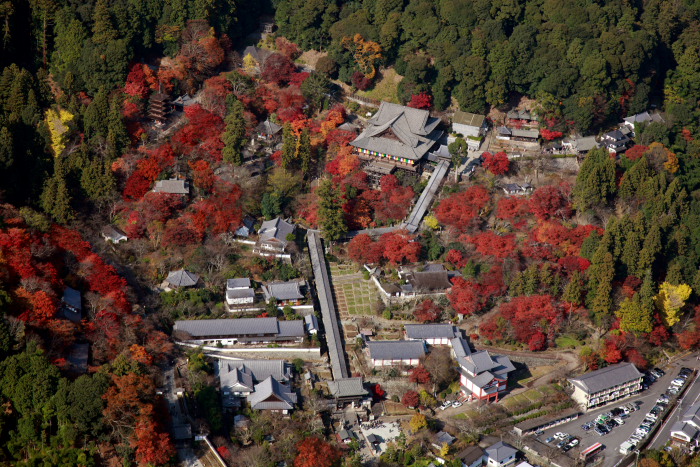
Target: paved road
<point>692,394</point>
<point>613,440</point>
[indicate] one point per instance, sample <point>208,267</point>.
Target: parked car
<point>446,405</point>
<point>619,421</point>
<point>550,439</point>
<point>456,404</point>
<point>560,435</point>
<point>573,442</point>
<point>659,371</point>
<point>600,431</point>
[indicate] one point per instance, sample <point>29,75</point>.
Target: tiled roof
<point>585,144</point>
<point>460,347</point>
<point>430,280</point>
<point>607,377</point>
<point>293,328</point>
<point>173,186</point>
<point>238,283</point>
<point>259,370</point>
<point>347,387</point>
<point>430,331</point>
<point>470,454</point>
<point>414,132</point>
<point>500,451</point>
<point>272,395</point>
<point>233,294</point>
<point>228,327</point>
<point>396,350</point>
<point>644,117</point>
<point>283,291</point>
<point>71,297</point>
<point>182,278</point>
<point>525,133</point>
<point>481,361</point>
<point>268,128</point>
<point>469,119</point>
<point>311,322</point>
<point>276,228</point>
<point>260,55</point>
<point>113,233</point>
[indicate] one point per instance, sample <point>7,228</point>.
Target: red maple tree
<point>460,209</point>
<point>421,101</point>
<point>548,202</point>
<point>419,375</point>
<point>315,452</point>
<point>410,399</point>
<point>497,164</point>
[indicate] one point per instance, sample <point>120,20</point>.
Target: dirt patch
<point>310,58</point>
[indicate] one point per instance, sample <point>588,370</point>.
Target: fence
<point>363,100</point>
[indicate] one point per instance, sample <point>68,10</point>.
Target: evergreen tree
<point>117,136</point>
<point>595,182</point>
<point>634,237</point>
<point>103,31</point>
<point>330,211</point>
<point>289,146</point>
<point>6,148</point>
<point>96,114</point>
<point>56,200</point>
<point>98,180</point>
<point>634,178</point>
<point>234,135</point>
<point>304,151</point>
<point>271,205</point>
<point>573,292</point>
<point>634,317</point>
<point>590,245</point>
<point>650,249</point>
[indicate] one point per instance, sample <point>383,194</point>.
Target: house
<point>239,294</point>
<point>391,353</point>
<point>374,441</point>
<point>396,138</point>
<point>240,331</point>
<point>606,385</point>
<point>246,229</point>
<point>481,375</point>
<point>72,305</point>
<point>642,118</point>
<point>237,378</point>
<point>581,145</point>
<point>273,396</point>
<point>471,456</point>
<point>273,236</point>
<point>255,56</point>
<point>500,455</point>
<point>311,323</point>
<point>430,281</point>
<point>268,130</point>
<point>179,279</point>
<point>347,391</point>
<point>113,234</point>
<point>183,101</point>
<point>514,189</point>
<point>286,293</point>
<point>431,334</point>
<point>346,436</point>
<point>521,117</point>
<point>616,140</point>
<point>471,126</point>
<point>443,438</point>
<point>686,431</point>
<point>173,186</point>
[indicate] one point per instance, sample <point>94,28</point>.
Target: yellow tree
<point>366,53</point>
<point>444,450</point>
<point>57,122</point>
<point>417,422</point>
<point>672,298</point>
<point>249,64</point>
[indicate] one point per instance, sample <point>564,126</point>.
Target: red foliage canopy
<point>549,135</point>
<point>636,152</point>
<point>277,69</point>
<point>532,314</point>
<point>202,133</point>
<point>427,311</point>
<point>489,243</point>
<point>362,249</point>
<point>315,452</point>
<point>421,101</point>
<point>419,375</point>
<point>410,399</point>
<point>548,202</point>
<point>460,209</point>
<point>399,246</point>
<point>511,208</point>
<point>497,164</point>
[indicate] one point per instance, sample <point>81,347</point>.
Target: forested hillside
<point>585,61</point>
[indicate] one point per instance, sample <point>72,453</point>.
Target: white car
<point>446,405</point>
<point>456,404</point>
<point>560,435</point>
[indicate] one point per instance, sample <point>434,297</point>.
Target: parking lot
<point>612,441</point>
